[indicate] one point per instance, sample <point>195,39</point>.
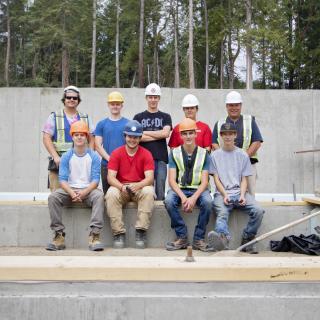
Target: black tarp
<point>298,244</point>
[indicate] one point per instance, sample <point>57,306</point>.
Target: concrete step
<point>26,223</point>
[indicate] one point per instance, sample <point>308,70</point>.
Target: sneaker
<point>218,241</point>
<point>202,246</point>
<point>57,242</point>
<point>119,241</point>
<point>180,243</point>
<point>141,239</point>
<point>249,249</point>
<point>94,242</point>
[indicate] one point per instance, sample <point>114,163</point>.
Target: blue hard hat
<point>133,128</point>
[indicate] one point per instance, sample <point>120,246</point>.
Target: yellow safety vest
<point>247,132</point>
<point>61,145</point>
<point>197,167</point>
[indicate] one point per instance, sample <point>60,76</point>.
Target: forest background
<point>186,43</point>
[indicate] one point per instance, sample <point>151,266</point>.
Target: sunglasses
<point>72,98</point>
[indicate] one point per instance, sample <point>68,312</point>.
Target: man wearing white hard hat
<point>248,134</point>
<point>157,126</point>
<point>56,136</point>
<point>190,105</point>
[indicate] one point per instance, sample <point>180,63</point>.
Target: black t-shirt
<point>154,122</point>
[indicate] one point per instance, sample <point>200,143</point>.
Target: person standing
<point>231,168</point>
<point>248,134</point>
<point>79,178</point>
<point>130,176</point>
<point>109,134</point>
<point>190,106</point>
<point>56,137</point>
<point>188,180</point>
<point>156,129</point>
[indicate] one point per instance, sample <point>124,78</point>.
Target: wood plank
<point>173,269</point>
<point>314,200</point>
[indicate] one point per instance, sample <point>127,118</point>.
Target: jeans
<point>223,211</point>
<point>160,176</point>
<point>172,203</point>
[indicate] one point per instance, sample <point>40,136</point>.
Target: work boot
<point>251,248</point>
<point>94,242</point>
<point>202,246</point>
<point>141,239</point>
<point>119,241</point>
<point>218,241</point>
<point>57,242</point>
<point>179,243</point>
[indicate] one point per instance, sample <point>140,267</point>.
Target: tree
<point>190,50</point>
<point>141,46</point>
<point>94,43</point>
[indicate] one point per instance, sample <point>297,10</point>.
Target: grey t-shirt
<point>230,166</point>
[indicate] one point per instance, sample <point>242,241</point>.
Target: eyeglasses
<point>72,98</point>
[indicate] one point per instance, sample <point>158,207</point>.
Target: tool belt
<point>52,165</point>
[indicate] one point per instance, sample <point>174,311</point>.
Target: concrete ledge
<point>27,224</point>
<point>205,269</point>
<point>157,301</point>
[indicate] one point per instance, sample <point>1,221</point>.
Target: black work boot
<point>251,248</point>
<point>141,239</point>
<point>119,241</point>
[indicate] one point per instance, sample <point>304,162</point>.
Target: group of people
<point>133,160</point>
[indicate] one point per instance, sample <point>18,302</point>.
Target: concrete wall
<point>28,225</point>
<point>287,119</point>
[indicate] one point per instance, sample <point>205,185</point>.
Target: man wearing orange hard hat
<point>188,180</point>
<point>79,175</point>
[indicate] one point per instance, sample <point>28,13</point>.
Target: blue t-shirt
<point>112,134</point>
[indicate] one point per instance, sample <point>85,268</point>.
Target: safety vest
<point>247,132</point>
<point>196,170</point>
<point>62,140</point>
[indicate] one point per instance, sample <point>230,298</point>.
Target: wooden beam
<point>172,269</point>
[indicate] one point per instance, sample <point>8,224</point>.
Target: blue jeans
<point>223,211</point>
<point>160,176</point>
<point>172,203</point>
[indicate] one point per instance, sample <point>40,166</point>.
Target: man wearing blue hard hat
<point>130,176</point>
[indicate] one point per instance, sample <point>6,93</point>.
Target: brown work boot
<point>179,243</point>
<point>57,242</point>
<point>94,242</point>
<point>202,246</point>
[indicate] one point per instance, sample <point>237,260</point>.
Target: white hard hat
<point>190,101</point>
<point>71,88</point>
<point>233,97</point>
<point>153,90</point>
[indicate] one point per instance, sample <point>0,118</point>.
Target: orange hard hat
<point>187,124</point>
<point>79,126</point>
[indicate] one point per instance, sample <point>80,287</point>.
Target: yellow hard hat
<point>79,127</point>
<point>115,96</point>
<point>187,124</point>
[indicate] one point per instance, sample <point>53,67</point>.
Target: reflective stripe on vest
<point>197,167</point>
<point>247,132</point>
<point>61,145</point>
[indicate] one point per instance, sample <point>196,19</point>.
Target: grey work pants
<point>60,198</point>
